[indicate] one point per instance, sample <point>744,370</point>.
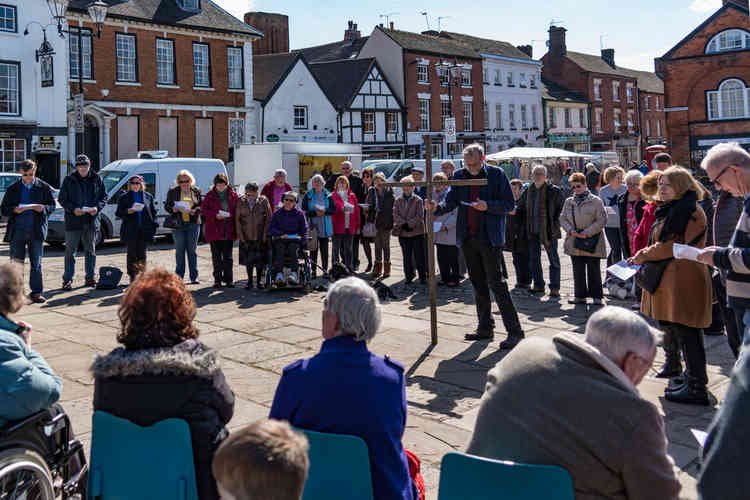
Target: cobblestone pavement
<point>258,334</point>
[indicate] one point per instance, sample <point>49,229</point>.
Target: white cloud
<point>703,6</point>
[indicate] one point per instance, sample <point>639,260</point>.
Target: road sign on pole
<point>78,109</point>
<point>450,130</point>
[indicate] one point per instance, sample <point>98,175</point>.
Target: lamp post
<point>453,79</point>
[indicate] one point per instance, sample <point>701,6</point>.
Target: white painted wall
<point>390,58</point>
<point>300,88</point>
<point>558,108</point>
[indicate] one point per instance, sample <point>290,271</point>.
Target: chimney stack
<point>527,49</point>
<point>557,47</point>
<point>608,56</point>
<point>740,3</point>
<point>352,33</point>
<point>392,26</point>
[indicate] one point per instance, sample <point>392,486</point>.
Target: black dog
<point>339,271</point>
<point>383,290</point>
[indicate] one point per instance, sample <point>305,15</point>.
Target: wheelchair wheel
<point>24,476</point>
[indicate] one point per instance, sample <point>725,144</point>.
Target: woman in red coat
<point>345,222</point>
<point>218,210</point>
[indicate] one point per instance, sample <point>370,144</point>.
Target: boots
<point>672,364</point>
<point>511,342</point>
<point>377,270</point>
<point>691,393</point>
<point>387,269</point>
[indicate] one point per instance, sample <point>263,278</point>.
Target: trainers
<point>67,285</point>
<point>37,298</point>
<point>280,279</point>
<point>293,280</point>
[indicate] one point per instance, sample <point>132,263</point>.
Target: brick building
<point>613,91</point>
<point>413,64</point>
<point>174,76</point>
<point>706,77</point>
<point>275,29</point>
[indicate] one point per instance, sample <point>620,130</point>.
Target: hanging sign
<point>78,110</point>
<point>450,130</point>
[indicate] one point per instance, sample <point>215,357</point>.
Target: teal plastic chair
<point>339,467</point>
<point>129,461</point>
<point>466,477</point>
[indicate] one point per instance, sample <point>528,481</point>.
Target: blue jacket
<point>499,198</point>
<point>736,261</point>
<point>346,389</point>
<point>72,196</point>
<point>27,383</point>
<point>288,222</point>
<point>308,207</point>
<point>41,193</point>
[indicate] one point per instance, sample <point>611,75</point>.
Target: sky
<point>638,30</point>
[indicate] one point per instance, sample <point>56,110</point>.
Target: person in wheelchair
<point>288,232</point>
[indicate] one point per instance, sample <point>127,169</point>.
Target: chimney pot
<point>608,55</point>
<point>527,49</point>
<point>557,46</point>
<point>391,25</point>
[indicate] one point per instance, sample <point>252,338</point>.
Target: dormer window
<point>727,40</point>
<point>189,4</point>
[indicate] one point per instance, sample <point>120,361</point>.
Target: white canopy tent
<point>533,153</point>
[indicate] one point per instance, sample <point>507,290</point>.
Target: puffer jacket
<point>590,219</point>
<point>27,383</point>
<point>410,212</point>
<point>184,381</point>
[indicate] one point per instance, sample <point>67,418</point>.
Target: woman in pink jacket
<point>345,221</point>
<point>218,209</point>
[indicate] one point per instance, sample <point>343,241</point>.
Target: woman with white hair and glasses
<point>325,393</point>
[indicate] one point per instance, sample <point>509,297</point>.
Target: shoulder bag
<point>369,230</point>
<point>650,273</point>
<point>587,245</point>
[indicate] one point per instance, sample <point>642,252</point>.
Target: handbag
<point>650,273</point>
<point>587,245</point>
<point>172,221</point>
<point>312,241</point>
<point>369,230</point>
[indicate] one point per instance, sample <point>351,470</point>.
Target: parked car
<point>6,179</point>
<point>159,174</point>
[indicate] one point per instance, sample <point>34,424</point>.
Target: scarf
<point>580,198</point>
<point>542,193</point>
<point>676,215</point>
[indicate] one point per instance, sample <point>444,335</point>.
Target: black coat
<point>184,381</point>
<point>71,196</point>
<point>174,195</point>
<point>129,231</point>
<point>516,237</point>
<point>555,203</point>
<point>622,204</point>
<point>384,219</point>
<point>356,184</point>
<point>41,193</point>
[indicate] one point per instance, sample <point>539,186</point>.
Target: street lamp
<point>98,12</point>
<point>58,8</point>
<point>452,70</point>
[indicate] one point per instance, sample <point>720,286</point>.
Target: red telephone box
<point>651,152</point>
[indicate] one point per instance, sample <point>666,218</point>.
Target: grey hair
<point>616,332</point>
<point>357,307</point>
<point>538,167</point>
<point>279,171</point>
<point>292,194</point>
<point>317,177</point>
<point>12,297</point>
<point>633,177</point>
<point>725,154</point>
<point>475,149</point>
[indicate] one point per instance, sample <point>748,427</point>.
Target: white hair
<point>616,332</point>
<point>292,194</point>
<point>357,307</point>
<point>279,171</point>
<point>725,154</point>
<point>633,177</point>
<point>475,149</point>
<point>539,167</point>
<point>317,177</point>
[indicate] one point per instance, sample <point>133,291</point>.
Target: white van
<point>159,174</point>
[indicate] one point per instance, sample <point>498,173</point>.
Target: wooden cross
<point>429,183</point>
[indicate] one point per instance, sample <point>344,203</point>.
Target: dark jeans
<point>447,257</point>
<point>367,247</point>
<point>285,251</point>
<point>483,262</point>
<point>355,249</point>
<point>323,249</point>
<point>535,263</point>
<point>521,265</point>
<point>186,242</point>
<point>691,342</point>
<point>23,241</point>
<point>734,335</point>
<point>221,257</point>
<point>342,249</point>
<point>413,250</point>
<point>615,244</point>
<point>590,267</point>
<point>136,257</point>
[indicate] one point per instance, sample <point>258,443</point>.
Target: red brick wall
<point>731,18</point>
<point>275,29</point>
<point>652,115</point>
<point>434,89</point>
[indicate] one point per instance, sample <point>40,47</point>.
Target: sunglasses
<point>290,199</point>
<point>184,182</point>
<point>82,165</point>
<point>27,175</point>
<point>135,182</point>
<point>346,169</point>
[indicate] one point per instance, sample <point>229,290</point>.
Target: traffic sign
<point>450,130</point>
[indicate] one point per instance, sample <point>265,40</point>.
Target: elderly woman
<point>367,175</point>
<point>408,225</point>
<point>162,370</point>
<point>324,393</point>
<point>138,214</point>
<point>380,201</point>
<point>609,195</point>
<point>445,238</point>
<point>345,222</point>
<point>28,383</point>
<point>318,205</point>
<point>649,186</point>
<point>681,302</point>
<point>630,207</point>
<point>275,188</point>
<point>184,201</point>
<point>219,207</point>
<point>252,219</point>
<point>583,218</point>
<point>288,230</point>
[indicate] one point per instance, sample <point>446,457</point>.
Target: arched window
<point>734,39</point>
<point>729,101</point>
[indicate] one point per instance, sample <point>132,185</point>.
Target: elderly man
<point>418,174</point>
<point>325,393</point>
<point>28,204</point>
<point>584,413</point>
<point>357,185</point>
<point>275,188</point>
<point>480,232</point>
<point>540,205</point>
<point>662,161</point>
<point>83,196</point>
<point>728,167</point>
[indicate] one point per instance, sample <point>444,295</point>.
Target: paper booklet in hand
<point>622,270</point>
<point>685,252</point>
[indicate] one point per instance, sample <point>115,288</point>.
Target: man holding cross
<point>481,233</point>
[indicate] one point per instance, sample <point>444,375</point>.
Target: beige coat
<point>252,224</point>
<point>561,402</point>
<point>410,212</point>
<point>590,219</point>
<point>684,294</point>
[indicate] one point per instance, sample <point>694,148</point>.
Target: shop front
<point>700,145</point>
<point>574,142</point>
<point>628,151</point>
